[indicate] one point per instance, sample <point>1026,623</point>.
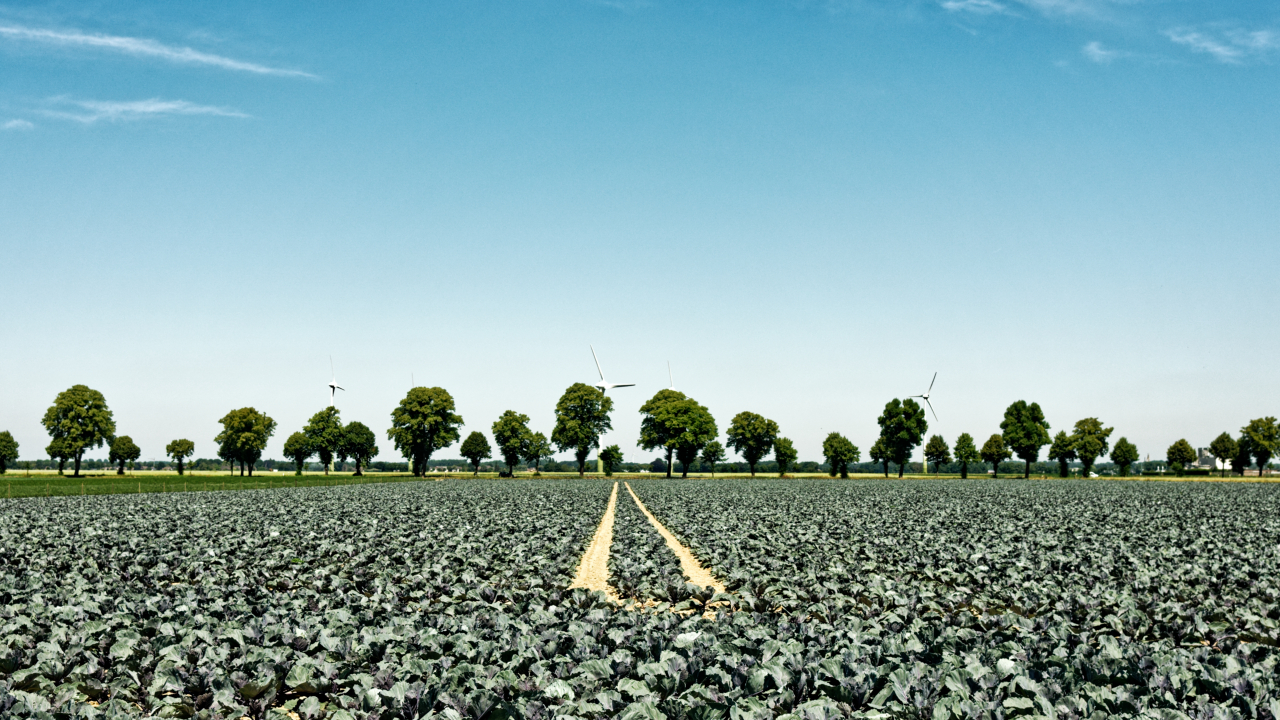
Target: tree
<point>582,416</point>
<point>1090,442</point>
<point>902,427</point>
<point>1063,451</point>
<point>1025,432</point>
<point>8,450</point>
<point>476,448</point>
<point>611,458</point>
<point>1244,456</point>
<point>712,454</point>
<point>1224,448</point>
<point>535,449</point>
<point>966,452</point>
<point>1264,440</point>
<point>358,443</point>
<point>697,428</point>
<point>80,419</point>
<point>937,452</point>
<point>423,423</point>
<point>59,450</point>
<point>839,452</point>
<point>180,450</point>
<point>1123,455</point>
<point>784,452</point>
<point>880,454</point>
<point>123,450</point>
<point>244,435</point>
<point>324,435</point>
<point>659,428</point>
<point>298,449</point>
<point>1180,455</point>
<point>995,452</point>
<point>751,436</point>
<point>511,433</point>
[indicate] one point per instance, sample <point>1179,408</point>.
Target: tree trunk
<point>901,468</point>
<point>120,470</point>
<point>180,467</point>
<point>669,451</point>
<point>1026,471</point>
<point>964,471</point>
<point>753,469</point>
<point>78,456</point>
<point>885,465</point>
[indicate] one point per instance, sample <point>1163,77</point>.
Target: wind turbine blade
<point>340,388</point>
<point>622,385</point>
<point>931,382</point>
<point>593,357</point>
<point>670,381</point>
<point>935,415</point>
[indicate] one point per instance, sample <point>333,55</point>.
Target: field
<point>1063,599</point>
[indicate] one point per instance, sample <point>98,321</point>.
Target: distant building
<point>1206,460</point>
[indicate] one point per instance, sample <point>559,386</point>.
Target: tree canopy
<point>298,449</point>
<point>1124,454</point>
<point>511,434</point>
<point>1224,448</point>
<point>1090,442</point>
<point>359,443</point>
<point>8,450</point>
<point>966,452</point>
<point>324,434</point>
<point>59,450</point>
<point>180,450</point>
<point>1263,435</point>
<point>611,458</point>
<point>879,453</point>
<point>712,454</point>
<point>582,416</point>
<point>535,449</point>
<point>79,419</point>
<point>937,452</point>
<point>123,450</point>
<point>751,436</point>
<point>1025,432</point>
<point>1180,455</point>
<point>423,423</point>
<point>697,428</point>
<point>476,448</point>
<point>995,452</point>
<point>1063,450</point>
<point>839,453</point>
<point>659,426</point>
<point>244,435</point>
<point>902,427</point>
<point>784,453</point>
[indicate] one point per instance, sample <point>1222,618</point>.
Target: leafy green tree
<point>902,427</point>
<point>1025,432</point>
<point>995,452</point>
<point>582,416</point>
<point>536,448</point>
<point>423,423</point>
<point>937,452</point>
<point>659,426</point>
<point>79,419</point>
<point>839,453</point>
<point>8,450</point>
<point>476,448</point>
<point>123,450</point>
<point>966,452</point>
<point>511,433</point>
<point>59,450</point>
<point>359,443</point>
<point>324,433</point>
<point>880,454</point>
<point>1124,454</point>
<point>1090,442</point>
<point>611,458</point>
<point>245,433</point>
<point>1064,451</point>
<point>751,436</point>
<point>713,453</point>
<point>180,450</point>
<point>1244,456</point>
<point>298,449</point>
<point>697,428</point>
<point>784,452</point>
<point>1225,449</point>
<point>1180,455</point>
<point>1264,440</point>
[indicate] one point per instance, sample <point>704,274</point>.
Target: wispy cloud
<point>1096,53</point>
<point>17,125</point>
<point>1227,44</point>
<point>92,111</point>
<point>140,47</point>
<point>977,7</point>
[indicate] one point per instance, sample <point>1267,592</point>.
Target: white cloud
<point>17,125</point>
<point>139,47</point>
<point>978,7</point>
<point>1095,52</point>
<point>1232,46</point>
<point>91,111</point>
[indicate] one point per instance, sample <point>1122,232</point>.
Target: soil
<point>593,570</point>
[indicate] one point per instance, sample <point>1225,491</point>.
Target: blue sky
<point>807,208</point>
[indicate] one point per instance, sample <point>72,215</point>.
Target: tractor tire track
<point>593,569</point>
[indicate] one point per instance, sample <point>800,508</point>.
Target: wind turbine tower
<point>924,461</point>
<point>604,386</point>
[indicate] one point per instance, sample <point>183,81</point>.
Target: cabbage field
<point>928,599</point>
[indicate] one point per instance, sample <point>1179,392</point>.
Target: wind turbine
<point>670,382</point>
<point>925,462</point>
<point>604,386</point>
<point>333,384</point>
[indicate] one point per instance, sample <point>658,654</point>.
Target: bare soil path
<point>593,570</point>
<point>693,569</point>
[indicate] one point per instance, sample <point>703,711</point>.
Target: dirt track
<point>593,570</point>
<point>693,569</point>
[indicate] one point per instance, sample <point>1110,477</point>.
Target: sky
<point>806,208</point>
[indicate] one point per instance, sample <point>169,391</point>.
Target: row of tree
<point>425,421</point>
